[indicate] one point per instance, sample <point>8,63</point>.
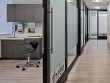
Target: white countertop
<point>17,38</point>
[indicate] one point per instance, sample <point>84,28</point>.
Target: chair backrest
<point>34,44</point>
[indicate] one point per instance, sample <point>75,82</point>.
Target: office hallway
<point>93,66</point>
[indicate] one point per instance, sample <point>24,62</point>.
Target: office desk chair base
<point>31,50</point>
<point>29,64</point>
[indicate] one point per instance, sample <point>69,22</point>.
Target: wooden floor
<point>10,74</point>
<point>93,66</point>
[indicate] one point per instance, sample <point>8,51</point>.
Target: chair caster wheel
<point>23,69</point>
<point>17,66</point>
<point>38,62</point>
<point>37,66</point>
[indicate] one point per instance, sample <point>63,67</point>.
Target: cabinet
<point>19,10</point>
<point>11,16</point>
<point>29,13</point>
<point>6,49</point>
<point>14,49</point>
<point>18,49</point>
<point>38,13</point>
<point>24,12</point>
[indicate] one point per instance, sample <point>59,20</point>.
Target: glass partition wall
<point>84,23</point>
<point>72,30</point>
<point>98,24</point>
<point>57,39</point>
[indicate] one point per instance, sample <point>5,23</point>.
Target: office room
<point>21,41</point>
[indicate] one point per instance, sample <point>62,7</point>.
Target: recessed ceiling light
<point>96,7</point>
<point>70,0</point>
<point>96,0</point>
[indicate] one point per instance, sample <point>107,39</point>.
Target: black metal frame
<point>87,24</point>
<point>81,48</point>
<point>46,56</point>
<point>79,28</point>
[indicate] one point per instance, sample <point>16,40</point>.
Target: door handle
<point>51,29</point>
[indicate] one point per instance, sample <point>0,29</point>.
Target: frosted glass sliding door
<point>102,23</point>
<point>57,39</point>
<point>72,21</point>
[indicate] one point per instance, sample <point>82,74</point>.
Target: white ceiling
<point>102,5</point>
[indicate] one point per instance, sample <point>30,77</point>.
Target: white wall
<point>5,27</point>
<point>108,25</point>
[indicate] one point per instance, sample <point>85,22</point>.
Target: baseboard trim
<point>0,58</point>
<point>72,64</point>
<point>64,76</point>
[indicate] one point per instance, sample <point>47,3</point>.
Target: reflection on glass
<point>82,25</point>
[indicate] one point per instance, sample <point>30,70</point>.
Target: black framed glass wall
<point>72,30</point>
<point>98,28</point>
<point>84,24</point>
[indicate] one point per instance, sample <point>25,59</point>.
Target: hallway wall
<point>108,25</point>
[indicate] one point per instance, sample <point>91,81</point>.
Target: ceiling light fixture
<point>70,1</point>
<point>97,7</point>
<point>96,0</point>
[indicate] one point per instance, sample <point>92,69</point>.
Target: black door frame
<point>86,23</point>
<point>79,28</point>
<point>46,56</point>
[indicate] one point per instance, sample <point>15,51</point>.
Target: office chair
<point>30,50</point>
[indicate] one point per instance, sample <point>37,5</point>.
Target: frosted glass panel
<point>93,24</point>
<point>72,30</point>
<point>57,58</point>
<point>102,23</point>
